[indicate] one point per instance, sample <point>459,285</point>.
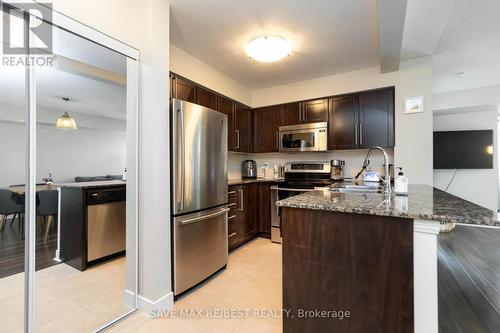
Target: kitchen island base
<point>358,269</point>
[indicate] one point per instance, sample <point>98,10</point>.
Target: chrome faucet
<point>387,177</point>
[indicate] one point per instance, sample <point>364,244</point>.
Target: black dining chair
<point>11,203</point>
<point>47,208</point>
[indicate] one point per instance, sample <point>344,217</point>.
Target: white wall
<point>354,160</point>
<point>190,67</point>
<point>478,186</point>
<point>413,150</point>
<point>85,152</point>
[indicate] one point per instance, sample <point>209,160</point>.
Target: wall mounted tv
<point>463,149</point>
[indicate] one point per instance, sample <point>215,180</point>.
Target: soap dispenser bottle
<point>401,183</point>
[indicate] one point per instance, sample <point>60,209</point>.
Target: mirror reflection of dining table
<point>21,190</point>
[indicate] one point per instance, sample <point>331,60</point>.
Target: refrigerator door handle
<point>204,217</point>
<point>182,148</point>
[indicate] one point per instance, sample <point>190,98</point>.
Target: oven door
<point>277,194</point>
<point>302,138</point>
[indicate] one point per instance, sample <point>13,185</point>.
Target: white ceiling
<point>470,43</point>
<point>328,36</point>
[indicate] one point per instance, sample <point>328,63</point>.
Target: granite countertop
<point>105,183</point>
<point>240,181</point>
<point>423,202</point>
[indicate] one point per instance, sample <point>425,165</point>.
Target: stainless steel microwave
<point>304,137</point>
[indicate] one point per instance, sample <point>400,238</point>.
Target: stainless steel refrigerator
<point>199,193</point>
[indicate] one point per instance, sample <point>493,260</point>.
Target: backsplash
<point>353,159</point>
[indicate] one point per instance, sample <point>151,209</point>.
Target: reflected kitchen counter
<point>22,189</point>
<point>424,203</point>
<point>103,183</point>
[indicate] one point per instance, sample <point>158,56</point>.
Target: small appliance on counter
<point>337,169</point>
<point>249,169</point>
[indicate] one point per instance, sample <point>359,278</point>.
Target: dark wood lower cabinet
<point>249,213</point>
<point>360,266</point>
<point>243,214</point>
<point>264,210</point>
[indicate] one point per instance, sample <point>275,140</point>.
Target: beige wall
<point>186,65</point>
<point>413,149</point>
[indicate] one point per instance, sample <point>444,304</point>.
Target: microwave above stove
<point>304,137</point>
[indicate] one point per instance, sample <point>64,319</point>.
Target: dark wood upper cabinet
<point>343,123</point>
<point>206,98</point>
<point>355,121</point>
<point>243,133</point>
<point>266,122</point>
<point>305,112</point>
<point>183,89</point>
<point>376,118</point>
<point>226,106</point>
<point>291,114</point>
<point>362,120</point>
<point>314,111</point>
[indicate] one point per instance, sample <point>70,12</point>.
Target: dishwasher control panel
<point>102,196</point>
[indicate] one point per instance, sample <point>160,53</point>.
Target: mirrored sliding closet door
<point>68,183</point>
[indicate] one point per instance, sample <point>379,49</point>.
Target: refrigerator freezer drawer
<point>200,246</point>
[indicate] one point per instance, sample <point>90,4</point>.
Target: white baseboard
<point>146,305</point>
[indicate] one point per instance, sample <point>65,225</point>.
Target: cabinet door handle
<point>231,192</point>
<point>231,204</point>
<point>356,133</point>
<point>231,217</point>
<point>232,235</point>
<point>237,139</point>
<point>360,132</point>
<point>242,205</point>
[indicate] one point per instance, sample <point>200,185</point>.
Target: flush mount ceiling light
<point>65,121</point>
<point>268,48</point>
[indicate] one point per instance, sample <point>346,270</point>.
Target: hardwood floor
<point>469,280</point>
<point>12,250</point>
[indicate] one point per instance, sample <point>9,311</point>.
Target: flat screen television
<point>463,149</point>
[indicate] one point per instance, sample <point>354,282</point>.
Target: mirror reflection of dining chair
<point>11,203</point>
<point>47,209</point>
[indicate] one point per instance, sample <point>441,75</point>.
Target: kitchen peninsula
<point>370,254</point>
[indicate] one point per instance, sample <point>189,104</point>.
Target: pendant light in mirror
<point>66,122</point>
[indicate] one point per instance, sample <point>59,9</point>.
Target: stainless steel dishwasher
<point>106,220</point>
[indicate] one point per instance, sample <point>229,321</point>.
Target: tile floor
<point>66,300</point>
<point>252,281</point>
